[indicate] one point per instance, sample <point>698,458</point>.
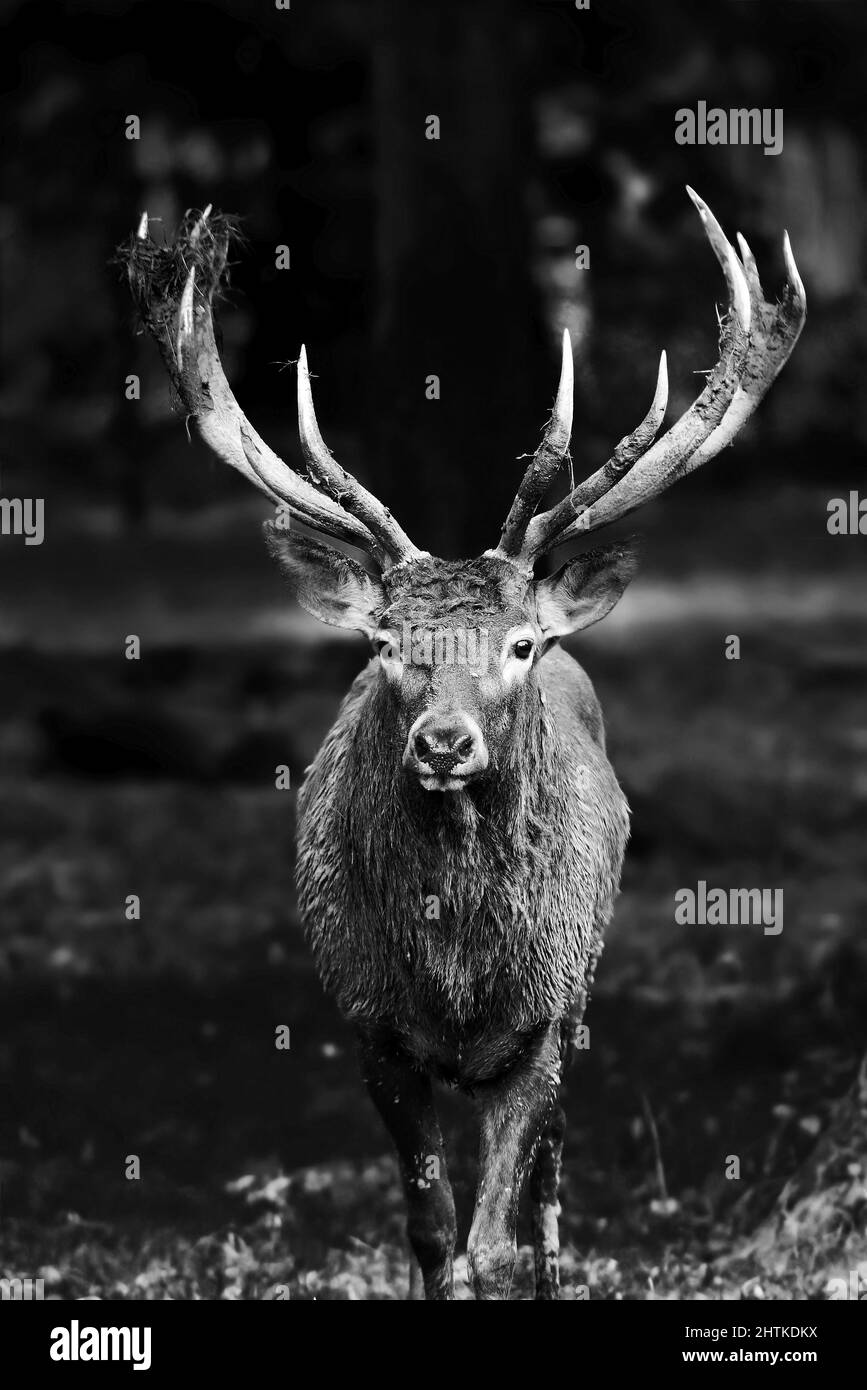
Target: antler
<point>546,460</point>
<point>755,343</point>
<point>174,287</point>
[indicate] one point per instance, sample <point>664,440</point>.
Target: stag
<point>461,831</point>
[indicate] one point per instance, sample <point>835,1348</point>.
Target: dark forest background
<point>412,257</point>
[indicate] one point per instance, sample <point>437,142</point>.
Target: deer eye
<point>523,650</point>
<point>388,649</point>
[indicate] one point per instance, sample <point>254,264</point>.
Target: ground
<point>264,1172</point>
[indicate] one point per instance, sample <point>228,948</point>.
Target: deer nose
<point>440,743</point>
<point>443,749</point>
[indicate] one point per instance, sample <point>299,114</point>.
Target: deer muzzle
<point>445,750</point>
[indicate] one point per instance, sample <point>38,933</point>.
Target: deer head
<point>458,641</point>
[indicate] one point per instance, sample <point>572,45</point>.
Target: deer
<point>461,832</point>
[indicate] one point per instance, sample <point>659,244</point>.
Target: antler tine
<point>545,462</point>
<point>346,490</point>
<point>544,529</point>
<point>756,340</point>
<point>774,330</point>
<point>174,286</point>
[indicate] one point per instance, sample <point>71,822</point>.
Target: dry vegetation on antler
<point>158,270</point>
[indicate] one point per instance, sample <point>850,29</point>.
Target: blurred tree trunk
<point>455,292</point>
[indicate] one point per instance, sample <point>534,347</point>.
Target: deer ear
<point>584,590</point>
<point>326,582</point>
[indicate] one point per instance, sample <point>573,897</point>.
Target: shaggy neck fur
<point>463,847</point>
<point>464,916</point>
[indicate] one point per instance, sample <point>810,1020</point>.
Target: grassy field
<point>264,1173</point>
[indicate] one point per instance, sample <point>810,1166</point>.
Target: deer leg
<point>545,1177</point>
<point>403,1095</point>
<point>515,1113</point>
<point>544,1185</point>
